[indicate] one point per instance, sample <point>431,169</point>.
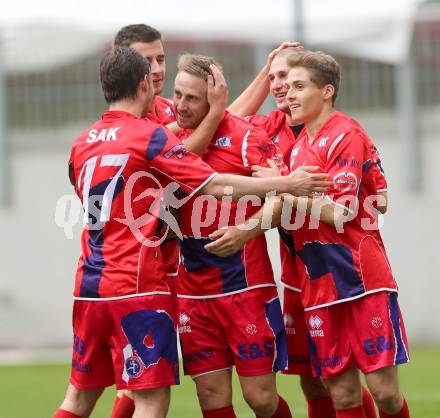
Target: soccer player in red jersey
<point>123,314</point>
<point>284,131</point>
<point>229,311</point>
<point>148,42</point>
<point>347,287</point>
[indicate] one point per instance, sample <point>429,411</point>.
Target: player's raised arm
<point>217,95</point>
<point>251,99</point>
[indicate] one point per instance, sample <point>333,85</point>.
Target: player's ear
<point>144,84</point>
<point>329,91</point>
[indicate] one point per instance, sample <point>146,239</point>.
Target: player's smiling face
<point>153,52</point>
<point>190,100</point>
<point>277,77</point>
<point>305,98</point>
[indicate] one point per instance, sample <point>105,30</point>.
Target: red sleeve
<point>269,123</point>
<point>345,159</point>
<point>168,156</point>
<point>257,148</point>
<point>379,174</point>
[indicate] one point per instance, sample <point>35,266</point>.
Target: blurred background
<point>49,92</point>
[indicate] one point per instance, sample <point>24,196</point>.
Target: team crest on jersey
<point>315,323</point>
<point>345,182</point>
<point>323,142</point>
<point>178,150</point>
<point>169,111</point>
<point>224,141</point>
<point>183,323</point>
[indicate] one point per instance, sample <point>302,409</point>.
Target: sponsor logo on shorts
<point>326,362</point>
<point>183,321</point>
<point>81,367</point>
<point>254,351</point>
<point>133,366</point>
<point>315,323</point>
<point>251,329</point>
<point>299,359</point>
<point>79,346</point>
<point>377,345</point>
<point>288,324</point>
<point>376,322</point>
<point>198,355</point>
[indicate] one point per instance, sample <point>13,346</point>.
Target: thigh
<point>92,365</point>
<point>378,339</point>
<point>330,350</point>
<point>214,389</point>
<point>296,331</point>
<point>345,389</point>
<point>255,330</point>
<point>261,384</point>
<point>385,379</point>
<point>144,342</point>
<point>203,338</point>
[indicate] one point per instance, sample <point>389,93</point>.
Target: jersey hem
<point>295,289</point>
<point>324,305</point>
<point>225,294</point>
<point>121,297</point>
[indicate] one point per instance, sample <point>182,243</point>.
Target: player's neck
<point>129,106</point>
<point>152,106</point>
<point>289,120</point>
<point>316,124</point>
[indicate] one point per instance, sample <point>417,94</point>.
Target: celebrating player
<point>348,291</point>
<point>123,314</point>
<point>229,311</point>
<point>148,42</point>
<point>283,132</point>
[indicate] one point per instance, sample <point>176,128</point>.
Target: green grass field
<point>35,391</point>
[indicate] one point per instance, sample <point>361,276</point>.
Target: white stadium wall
<point>38,263</point>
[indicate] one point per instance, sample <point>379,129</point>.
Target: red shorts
<point>131,342</point>
<point>244,329</point>
<point>367,333</point>
<point>296,330</point>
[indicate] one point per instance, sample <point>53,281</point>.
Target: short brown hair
<point>136,33</point>
<point>197,65</point>
<point>121,71</point>
<point>323,68</point>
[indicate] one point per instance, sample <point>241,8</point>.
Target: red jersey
<point>111,164</point>
<point>284,136</point>
<point>163,111</point>
<point>276,126</point>
<point>235,147</point>
<point>337,266</point>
